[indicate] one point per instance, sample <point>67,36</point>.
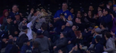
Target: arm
<point>20,26</point>
<point>29,17</point>
<point>110,45</point>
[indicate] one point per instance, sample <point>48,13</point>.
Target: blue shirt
<point>66,13</point>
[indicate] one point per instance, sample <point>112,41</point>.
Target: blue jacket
<point>66,13</point>
<point>8,48</point>
<point>26,49</point>
<point>99,48</point>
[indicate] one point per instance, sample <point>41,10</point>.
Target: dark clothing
<point>21,40</point>
<point>36,50</point>
<point>46,33</point>
<point>44,44</point>
<point>58,24</point>
<point>80,26</point>
<point>76,51</point>
<point>13,15</point>
<point>26,49</point>
<point>14,49</point>
<point>99,48</point>
<point>108,21</point>
<point>8,48</point>
<point>61,44</point>
<point>8,28</point>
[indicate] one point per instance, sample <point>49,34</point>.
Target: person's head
<point>5,13</point>
<point>105,11</point>
<point>89,13</point>
<point>17,17</point>
<point>91,8</point>
<point>74,27</point>
<point>107,35</point>
<point>62,35</point>
<point>64,6</point>
<point>28,43</point>
<point>43,10</point>
<point>72,10</point>
<point>9,20</point>
<point>100,13</point>
<point>110,3</point>
<point>24,29</point>
<point>69,18</point>
<point>79,15</point>
<point>69,23</point>
<point>77,20</point>
<point>114,7</point>
<point>39,32</point>
<point>10,37</point>
<point>44,26</point>
<point>15,8</point>
<point>60,51</point>
<point>97,39</point>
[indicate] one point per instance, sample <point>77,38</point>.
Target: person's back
<point>43,44</point>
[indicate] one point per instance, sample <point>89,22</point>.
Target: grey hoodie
<point>110,46</point>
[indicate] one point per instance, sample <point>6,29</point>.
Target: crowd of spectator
<point>91,31</point>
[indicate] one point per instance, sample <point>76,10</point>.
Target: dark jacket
<point>26,49</point>
<point>8,48</point>
<point>21,40</point>
<point>44,44</point>
<point>61,44</point>
<point>36,50</point>
<point>99,48</point>
<point>108,21</point>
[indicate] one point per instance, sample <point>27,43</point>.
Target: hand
<point>54,47</point>
<point>104,48</point>
<point>80,46</point>
<point>21,14</point>
<point>32,11</point>
<point>69,42</point>
<point>85,14</point>
<point>15,22</point>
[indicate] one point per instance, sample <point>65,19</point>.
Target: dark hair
<point>103,24</point>
<point>98,38</point>
<point>65,3</point>
<point>106,9</point>
<point>15,5</point>
<point>108,35</point>
<point>44,26</point>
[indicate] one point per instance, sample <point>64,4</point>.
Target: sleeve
<point>110,45</point>
<point>63,43</point>
<point>56,14</point>
<point>23,49</point>
<point>29,17</point>
<point>20,26</point>
<point>71,15</point>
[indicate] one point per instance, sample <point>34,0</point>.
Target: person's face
<point>104,12</point>
<point>10,37</point>
<point>74,28</point>
<point>42,10</point>
<point>89,13</point>
<point>28,43</point>
<point>6,14</point>
<point>61,35</point>
<point>17,17</point>
<point>64,6</point>
<point>72,10</point>
<point>99,9</point>
<point>77,20</point>
<point>8,20</point>
<point>78,15</point>
<point>110,3</point>
<point>91,8</point>
<point>67,24</point>
<point>14,8</point>
<point>100,13</point>
<point>114,8</point>
<point>4,39</point>
<point>69,18</point>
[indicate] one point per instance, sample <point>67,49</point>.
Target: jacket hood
<point>21,33</point>
<point>5,12</point>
